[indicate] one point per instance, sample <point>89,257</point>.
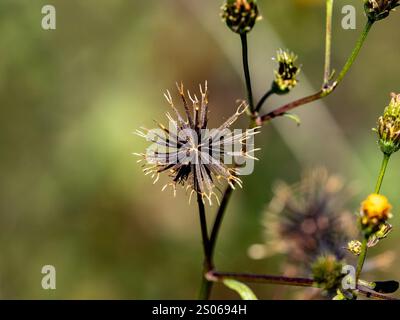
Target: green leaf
<point>244,291</point>
<point>293,117</point>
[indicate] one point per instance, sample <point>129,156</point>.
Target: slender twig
<point>260,278</point>
<point>205,284</point>
<point>282,110</point>
<point>324,91</point>
<point>374,295</point>
<point>218,219</point>
<point>217,276</point>
<point>382,172</point>
<point>210,244</point>
<point>361,258</point>
<point>355,52</point>
<point>328,42</point>
<point>204,232</point>
<point>364,246</point>
<point>263,99</point>
<point>245,57</point>
<point>327,73</point>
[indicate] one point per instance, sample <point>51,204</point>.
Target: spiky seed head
<point>307,219</point>
<point>194,156</point>
<point>287,72</point>
<point>240,15</point>
<point>388,127</point>
<point>379,9</point>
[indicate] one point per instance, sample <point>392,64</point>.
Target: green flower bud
<point>327,273</point>
<point>286,75</point>
<point>379,9</point>
<point>240,15</point>
<point>389,127</point>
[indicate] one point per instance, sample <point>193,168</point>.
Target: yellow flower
<point>375,210</point>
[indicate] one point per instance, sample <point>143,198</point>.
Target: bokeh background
<point>71,193</point>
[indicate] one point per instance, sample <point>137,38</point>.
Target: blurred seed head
<point>379,9</point>
<point>240,15</point>
<point>388,128</point>
<point>287,72</point>
<point>307,219</point>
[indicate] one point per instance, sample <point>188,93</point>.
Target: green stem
<point>361,258</point>
<point>328,42</point>
<point>382,172</point>
<point>206,287</point>
<point>263,99</point>
<point>364,245</point>
<point>245,57</point>
<point>355,52</point>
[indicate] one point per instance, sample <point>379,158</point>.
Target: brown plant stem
<point>217,276</point>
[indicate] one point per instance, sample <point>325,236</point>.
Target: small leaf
<point>243,290</point>
<point>293,117</point>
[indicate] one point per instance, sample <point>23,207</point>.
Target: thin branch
<point>287,107</point>
<point>382,172</point>
<point>328,42</point>
<point>374,295</point>
<point>355,52</point>
<point>218,220</point>
<point>364,245</point>
<point>206,285</point>
<point>245,57</point>
<point>282,280</point>
<point>324,91</point>
<point>263,99</point>
<point>260,278</point>
<point>361,258</point>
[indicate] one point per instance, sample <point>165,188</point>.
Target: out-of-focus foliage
<point>71,194</point>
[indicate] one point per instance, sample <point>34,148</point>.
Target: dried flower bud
<point>240,15</point>
<point>375,211</point>
<point>382,233</point>
<point>354,246</point>
<point>327,272</point>
<point>388,128</point>
<point>286,75</point>
<point>379,9</point>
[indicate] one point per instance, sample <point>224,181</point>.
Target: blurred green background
<point>71,193</point>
